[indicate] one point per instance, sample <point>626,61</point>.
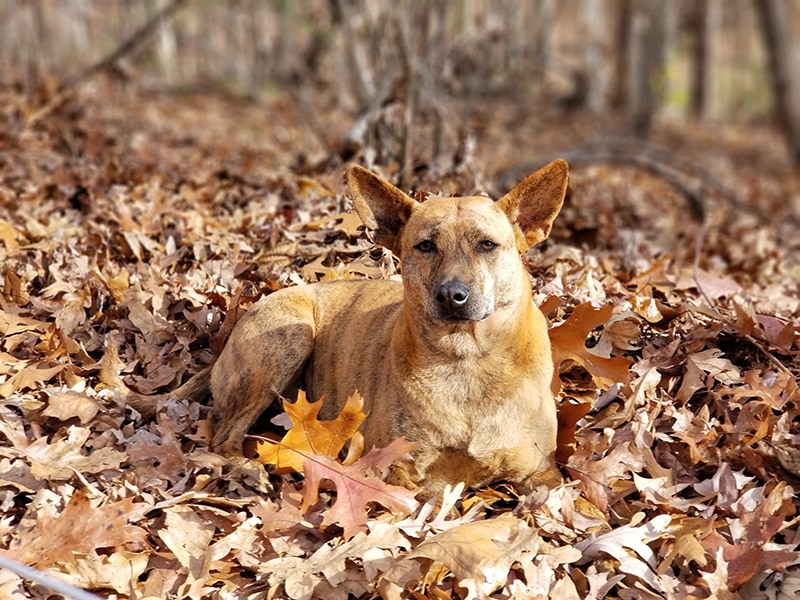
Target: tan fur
<point>467,379</point>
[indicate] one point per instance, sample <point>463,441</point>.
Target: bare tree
<point>772,19</point>
<point>696,26</point>
<point>621,53</point>
<point>595,54</point>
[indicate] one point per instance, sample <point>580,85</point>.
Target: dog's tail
<point>197,388</point>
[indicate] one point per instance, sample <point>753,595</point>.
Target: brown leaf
<point>25,377</point>
<point>59,460</point>
<point>8,236</point>
<point>79,529</point>
<point>69,404</point>
<point>569,343</point>
<point>569,413</point>
<point>479,554</point>
<point>748,553</point>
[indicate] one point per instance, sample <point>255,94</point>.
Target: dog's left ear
<point>380,205</point>
<point>535,201</point>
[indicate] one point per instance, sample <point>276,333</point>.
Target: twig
<point>361,76</point>
<point>303,102</point>
<point>715,315</point>
<point>698,251</point>
<point>631,147</point>
<point>59,587</point>
<point>672,176</point>
<point>127,46</point>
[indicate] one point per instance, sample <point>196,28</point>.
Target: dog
<point>455,357</point>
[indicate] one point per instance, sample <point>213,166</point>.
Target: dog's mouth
<point>457,317</point>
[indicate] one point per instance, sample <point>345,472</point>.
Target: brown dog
<point>457,357</point>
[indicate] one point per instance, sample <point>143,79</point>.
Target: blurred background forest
<point>412,77</point>
<point>164,163</point>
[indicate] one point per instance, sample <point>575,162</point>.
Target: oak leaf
<point>569,413</point>
<point>61,459</point>
<point>80,529</point>
<point>68,404</point>
<point>629,545</point>
<point>568,342</point>
<point>311,436</point>
<point>25,376</point>
<point>357,486</point>
<point>479,554</point>
<point>188,535</point>
<point>753,546</point>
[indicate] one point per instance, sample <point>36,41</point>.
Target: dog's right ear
<point>535,201</point>
<point>380,205</point>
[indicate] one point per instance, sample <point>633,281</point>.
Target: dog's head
<point>460,256</point>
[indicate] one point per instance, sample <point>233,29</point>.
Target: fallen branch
<point>66,87</point>
<point>687,179</point>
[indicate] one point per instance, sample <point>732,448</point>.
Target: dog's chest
<point>470,408</point>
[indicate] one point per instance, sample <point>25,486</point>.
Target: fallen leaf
<point>61,459</point>
<point>358,487</point>
<point>479,555</point>
<point>79,529</point>
<point>568,342</point>
<point>69,404</point>
<point>188,535</point>
<point>569,413</point>
<point>311,436</point>
<point>28,376</point>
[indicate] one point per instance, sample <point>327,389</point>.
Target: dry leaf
<point>79,529</point>
<point>188,535</point>
<point>569,343</point>
<point>310,436</point>
<point>61,459</point>
<point>69,404</point>
<point>358,487</point>
<point>478,554</point>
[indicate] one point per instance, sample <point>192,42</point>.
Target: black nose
<point>452,295</point>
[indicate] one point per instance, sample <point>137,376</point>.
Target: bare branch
<point>127,46</point>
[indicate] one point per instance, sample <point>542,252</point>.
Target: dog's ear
<point>535,201</point>
<point>380,205</point>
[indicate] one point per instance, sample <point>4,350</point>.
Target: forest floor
<point>150,222</point>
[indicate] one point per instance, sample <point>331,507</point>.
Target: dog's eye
<point>487,246</point>
<point>426,246</point>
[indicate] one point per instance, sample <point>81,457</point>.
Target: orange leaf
<point>309,435</point>
<point>568,342</point>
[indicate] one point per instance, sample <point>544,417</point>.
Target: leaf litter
<point>677,379</point>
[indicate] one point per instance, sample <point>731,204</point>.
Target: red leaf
<point>357,488</point>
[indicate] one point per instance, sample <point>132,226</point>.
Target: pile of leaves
<point>150,226</point>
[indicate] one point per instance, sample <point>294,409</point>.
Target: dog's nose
<point>452,295</point>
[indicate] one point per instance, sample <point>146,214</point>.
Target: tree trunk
<point>774,29</point>
<point>595,54</point>
<point>699,60</point>
<point>641,102</point>
<point>621,53</point>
